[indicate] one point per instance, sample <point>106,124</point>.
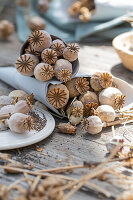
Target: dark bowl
<point>75,64</point>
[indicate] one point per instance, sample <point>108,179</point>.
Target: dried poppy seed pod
<point>18,94</point>
<point>107,96</point>
<point>100,80</point>
<point>70,53</point>
<point>92,125</point>
<point>36,23</point>
<point>106,113</point>
<point>82,85</point>
<point>77,109</point>
<point>31,50</point>
<point>5,100</point>
<point>89,109</point>
<point>40,40</point>
<point>58,95</point>
<point>43,6</point>
<point>7,109</point>
<point>85,14</point>
<point>63,70</point>
<point>58,46</point>
<point>67,128</point>
<point>17,123</point>
<point>44,72</point>
<point>49,56</point>
<point>75,120</point>
<point>22,107</point>
<point>88,97</point>
<point>26,63</point>
<point>73,92</point>
<point>6,29</point>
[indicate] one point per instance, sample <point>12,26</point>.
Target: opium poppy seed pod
<point>58,46</point>
<point>77,108</point>
<point>88,97</point>
<point>5,100</point>
<point>70,53</point>
<point>112,96</point>
<point>44,72</point>
<point>36,23</point>
<point>6,29</point>
<point>75,120</point>
<point>20,123</point>
<point>9,109</point>
<point>43,6</point>
<point>63,70</point>
<point>106,113</point>
<point>22,106</point>
<point>18,95</point>
<point>49,56</point>
<point>100,81</point>
<point>40,40</point>
<point>26,63</point>
<point>73,92</point>
<point>58,95</point>
<point>67,128</point>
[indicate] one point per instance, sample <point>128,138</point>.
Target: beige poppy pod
<point>58,46</point>
<point>31,50</point>
<point>101,80</point>
<point>58,95</point>
<point>70,53</point>
<point>43,6</point>
<point>88,97</point>
<point>63,70</point>
<point>18,94</point>
<point>5,110</point>
<point>73,92</point>
<point>36,23</point>
<point>5,100</point>
<point>6,29</point>
<point>49,56</point>
<point>67,128</point>
<point>16,123</point>
<point>77,108</point>
<point>106,113</point>
<point>22,107</point>
<point>26,63</point>
<point>92,125</point>
<point>40,40</point>
<point>44,72</point>
<point>75,120</point>
<point>108,95</point>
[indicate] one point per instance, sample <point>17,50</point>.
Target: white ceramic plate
<point>10,140</point>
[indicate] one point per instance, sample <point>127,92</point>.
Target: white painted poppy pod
<point>94,125</point>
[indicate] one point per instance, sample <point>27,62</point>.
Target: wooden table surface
<point>63,149</point>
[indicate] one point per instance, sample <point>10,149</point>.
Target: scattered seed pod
<point>16,123</point>
<point>31,50</point>
<point>70,53</point>
<point>108,96</point>
<point>22,3</point>
<point>44,72</point>
<point>82,85</point>
<point>114,142</point>
<point>22,107</point>
<point>26,63</point>
<point>18,95</point>
<point>5,100</point>
<point>40,105</point>
<point>67,128</point>
<point>73,92</point>
<point>100,80</point>
<point>43,6</point>
<point>36,23</point>
<point>58,46</point>
<point>75,120</point>
<point>106,113</point>
<point>88,97</point>
<point>58,95</point>
<point>6,29</point>
<point>40,40</point>
<point>49,56</point>
<point>89,109</point>
<point>92,125</point>
<point>63,70</point>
